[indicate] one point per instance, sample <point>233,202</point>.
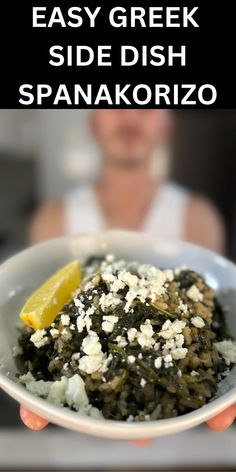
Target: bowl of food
<point>119,334</point>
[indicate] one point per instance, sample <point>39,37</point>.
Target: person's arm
<point>47,223</point>
<point>204,225</point>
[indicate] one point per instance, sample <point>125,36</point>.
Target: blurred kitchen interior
<point>42,154</point>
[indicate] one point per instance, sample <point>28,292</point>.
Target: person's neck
<point>125,194</point>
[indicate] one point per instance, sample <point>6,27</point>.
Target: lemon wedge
<point>46,302</point>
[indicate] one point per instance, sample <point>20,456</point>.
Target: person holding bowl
<point>128,195</point>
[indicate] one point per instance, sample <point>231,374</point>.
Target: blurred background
<point>45,153</point>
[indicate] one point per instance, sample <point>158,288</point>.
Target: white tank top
<point>166,216</point>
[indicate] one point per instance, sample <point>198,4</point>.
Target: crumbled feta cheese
<point>110,258</point>
<point>109,301</point>
<point>75,394</point>
<point>148,286</point>
<point>172,333</point>
<point>90,364</point>
<point>39,338</point>
<point>147,271</point>
<point>95,360</point>
<point>179,340</point>
<point>178,326</point>
<point>130,296</point>
<point>194,294</point>
<point>90,311</point>
<point>140,356</point>
<point>179,373</point>
<point>108,326</point>
<point>145,336</point>
<point>117,285</point>
<point>54,333</point>
<point>113,319</point>
<point>169,275</point>
<point>65,320</point>
<point>109,323</point>
<point>79,304</point>
<point>170,329</point>
<point>129,279</point>
<point>179,353</point>
<point>80,322</point>
<point>89,286</point>
<point>40,387</point>
<point>183,307</point>
<point>121,341</point>
<point>120,265</point>
<point>91,344</point>
<point>227,349</point>
<point>168,361</point>
<point>108,277</point>
<point>131,359</point>
<point>88,322</point>
<point>75,356</point>
<point>62,392</point>
<point>143,294</point>
<point>169,345</point>
<point>167,331</point>
<point>198,322</point>
<point>106,363</point>
<point>132,334</point>
<point>158,362</point>
<point>156,346</point>
<point>194,373</point>
<point>143,382</point>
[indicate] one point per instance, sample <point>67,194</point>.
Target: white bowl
<point>20,275</point>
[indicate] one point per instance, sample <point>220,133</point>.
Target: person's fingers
<point>142,442</point>
<point>31,420</point>
<point>223,420</point>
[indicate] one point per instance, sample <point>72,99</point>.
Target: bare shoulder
<point>48,222</point>
<point>204,224</point>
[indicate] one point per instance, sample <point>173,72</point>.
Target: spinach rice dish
<point>135,343</point>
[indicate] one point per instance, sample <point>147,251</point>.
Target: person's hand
<point>224,420</point>
<point>219,423</point>
<point>31,420</point>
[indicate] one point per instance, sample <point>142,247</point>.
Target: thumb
<point>31,420</point>
<point>141,442</point>
<point>223,420</point>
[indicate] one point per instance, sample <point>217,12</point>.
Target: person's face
<point>129,137</point>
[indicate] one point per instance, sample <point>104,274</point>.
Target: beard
<point>129,149</point>
<point>127,162</point>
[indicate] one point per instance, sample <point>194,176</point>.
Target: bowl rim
<point>114,429</point>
